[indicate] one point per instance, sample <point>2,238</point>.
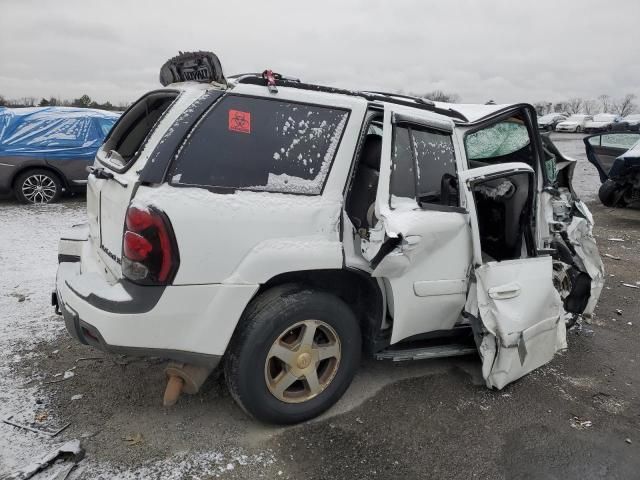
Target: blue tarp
<point>53,132</point>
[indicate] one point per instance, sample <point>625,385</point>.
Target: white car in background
<point>550,120</point>
<point>603,122</point>
<point>632,122</point>
<point>575,123</point>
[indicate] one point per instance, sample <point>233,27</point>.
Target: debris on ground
<point>76,397</point>
<point>630,285</point>
<point>628,440</point>
<point>580,424</point>
<point>616,239</point>
<point>618,311</point>
<point>31,427</point>
<point>70,451</point>
<point>608,255</point>
<point>134,439</point>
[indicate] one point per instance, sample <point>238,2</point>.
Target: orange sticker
<point>239,121</point>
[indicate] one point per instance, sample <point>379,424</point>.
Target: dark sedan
<point>45,150</point>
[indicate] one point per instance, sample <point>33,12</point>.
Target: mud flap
<point>517,318</point>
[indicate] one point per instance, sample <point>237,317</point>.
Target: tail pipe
<point>182,377</point>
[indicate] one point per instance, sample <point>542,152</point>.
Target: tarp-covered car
<point>616,156</point>
<point>45,150</point>
<point>280,228</point>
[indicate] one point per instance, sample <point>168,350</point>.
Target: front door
<point>514,307</point>
<point>603,149</point>
<point>421,243</point>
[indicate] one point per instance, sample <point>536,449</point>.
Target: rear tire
<point>578,129</point>
<point>275,326</point>
<point>37,186</point>
<point>610,194</point>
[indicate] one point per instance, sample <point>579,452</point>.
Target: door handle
<point>502,292</point>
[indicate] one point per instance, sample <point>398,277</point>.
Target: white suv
<point>282,228</point>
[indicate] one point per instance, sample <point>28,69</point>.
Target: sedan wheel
<point>38,187</point>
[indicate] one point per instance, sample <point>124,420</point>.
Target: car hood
<point>568,124</point>
<point>597,124</point>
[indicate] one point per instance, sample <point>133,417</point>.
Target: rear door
<point>603,149</point>
<point>421,247</point>
<point>515,309</point>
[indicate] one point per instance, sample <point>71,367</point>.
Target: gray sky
<point>507,50</point>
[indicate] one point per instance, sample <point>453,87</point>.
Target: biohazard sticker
<point>239,121</point>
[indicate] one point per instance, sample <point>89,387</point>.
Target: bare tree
<point>626,105</point>
<point>542,108</point>
<point>574,105</point>
<point>560,107</point>
<point>605,103</point>
<point>590,107</point>
<point>440,96</point>
<point>3,101</point>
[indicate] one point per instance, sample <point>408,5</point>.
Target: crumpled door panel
<point>521,315</point>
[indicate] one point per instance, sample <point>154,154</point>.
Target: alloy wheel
<point>302,361</point>
<point>39,188</point>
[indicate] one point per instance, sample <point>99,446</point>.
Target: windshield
<point>635,116</point>
<point>497,140</point>
<point>603,117</point>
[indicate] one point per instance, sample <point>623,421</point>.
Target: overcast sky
<point>506,50</point>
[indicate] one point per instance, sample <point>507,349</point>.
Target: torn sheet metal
<point>522,318</point>
<point>71,451</point>
<point>580,233</point>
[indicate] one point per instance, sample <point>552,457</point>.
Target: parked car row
<point>577,123</point>
<point>46,150</point>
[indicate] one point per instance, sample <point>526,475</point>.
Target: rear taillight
<point>149,249</point>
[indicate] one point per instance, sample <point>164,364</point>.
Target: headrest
<point>371,151</point>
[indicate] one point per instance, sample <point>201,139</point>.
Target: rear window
<point>261,144</point>
<point>128,136</point>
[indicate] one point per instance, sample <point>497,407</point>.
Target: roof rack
<point>397,99</point>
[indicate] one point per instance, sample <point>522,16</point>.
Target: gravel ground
<point>578,417</point>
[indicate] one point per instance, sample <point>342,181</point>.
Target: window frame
<point>232,190</point>
<point>411,125</point>
<point>102,157</point>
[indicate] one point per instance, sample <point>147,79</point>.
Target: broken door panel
<point>516,312</point>
<point>522,314</point>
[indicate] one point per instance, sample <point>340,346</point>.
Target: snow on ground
<point>28,255</point>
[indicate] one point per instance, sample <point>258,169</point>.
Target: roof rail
<point>397,99</point>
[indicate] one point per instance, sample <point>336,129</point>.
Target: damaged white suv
<point>283,228</point>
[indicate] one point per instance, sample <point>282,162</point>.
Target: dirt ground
<point>576,418</point>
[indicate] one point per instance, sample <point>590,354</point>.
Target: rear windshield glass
<point>261,144</point>
<point>128,136</point>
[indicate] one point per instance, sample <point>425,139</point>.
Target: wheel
<point>293,355</point>
<point>610,194</point>
<point>578,129</point>
<point>37,186</point>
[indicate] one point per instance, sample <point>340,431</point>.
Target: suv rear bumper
<point>187,323</point>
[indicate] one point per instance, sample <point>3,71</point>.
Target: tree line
<point>83,101</point>
<point>603,104</point>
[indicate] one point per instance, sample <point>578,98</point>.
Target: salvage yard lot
<point>577,417</point>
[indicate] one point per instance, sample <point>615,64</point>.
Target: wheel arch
<point>357,289</point>
<point>24,168</point>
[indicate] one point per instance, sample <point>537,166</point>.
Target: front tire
<point>610,194</point>
<point>293,355</point>
<point>578,129</point>
<point>37,186</point>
